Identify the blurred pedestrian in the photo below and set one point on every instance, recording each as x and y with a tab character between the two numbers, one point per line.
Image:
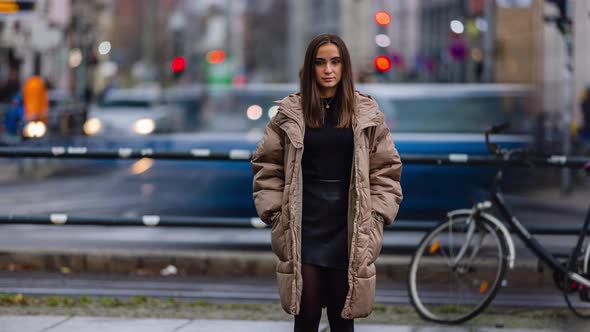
327	206
35	98
14	118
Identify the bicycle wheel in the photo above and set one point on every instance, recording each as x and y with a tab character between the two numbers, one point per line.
576	294
457	270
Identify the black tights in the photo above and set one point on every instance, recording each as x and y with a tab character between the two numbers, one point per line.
325	286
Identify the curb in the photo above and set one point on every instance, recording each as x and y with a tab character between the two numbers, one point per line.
203	262
527	273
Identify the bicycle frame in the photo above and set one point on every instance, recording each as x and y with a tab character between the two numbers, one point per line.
520	230
532	243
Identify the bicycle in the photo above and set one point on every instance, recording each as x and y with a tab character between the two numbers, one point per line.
470	251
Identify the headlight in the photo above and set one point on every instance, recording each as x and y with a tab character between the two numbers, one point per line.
144	126
34	129
92	126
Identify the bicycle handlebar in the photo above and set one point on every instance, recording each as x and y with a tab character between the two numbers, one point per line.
495	148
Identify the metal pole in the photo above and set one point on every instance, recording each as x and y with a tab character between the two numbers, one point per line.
59	219
488	42
458	159
568	109
296	19
80	10
148	36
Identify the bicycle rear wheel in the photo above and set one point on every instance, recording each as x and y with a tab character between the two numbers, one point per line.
576	294
457	270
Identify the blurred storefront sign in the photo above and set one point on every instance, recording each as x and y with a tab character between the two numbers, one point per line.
16	7
220	73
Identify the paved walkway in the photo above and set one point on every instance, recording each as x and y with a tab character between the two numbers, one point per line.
108	324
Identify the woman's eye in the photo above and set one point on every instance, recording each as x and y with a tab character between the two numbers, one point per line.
319	63
335	62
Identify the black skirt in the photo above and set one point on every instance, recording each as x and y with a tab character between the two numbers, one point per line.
324	223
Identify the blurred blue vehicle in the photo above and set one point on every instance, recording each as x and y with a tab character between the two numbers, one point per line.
425	119
444	119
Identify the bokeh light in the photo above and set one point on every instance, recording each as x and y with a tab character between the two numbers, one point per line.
104	48
382	40
254	112
382	63
178	64
216	57
457	27
382	17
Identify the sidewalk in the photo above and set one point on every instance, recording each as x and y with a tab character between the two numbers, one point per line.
108	324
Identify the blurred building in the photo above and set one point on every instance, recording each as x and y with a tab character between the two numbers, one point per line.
519	50
367	39
436	39
32	40
141	42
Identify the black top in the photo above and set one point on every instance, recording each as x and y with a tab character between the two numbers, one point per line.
328	150
326	166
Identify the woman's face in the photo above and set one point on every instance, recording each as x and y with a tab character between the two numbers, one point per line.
328	69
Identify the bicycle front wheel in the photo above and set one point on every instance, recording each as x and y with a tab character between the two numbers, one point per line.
457	270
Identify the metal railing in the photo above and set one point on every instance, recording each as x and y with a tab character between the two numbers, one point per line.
70	152
226	222
461	159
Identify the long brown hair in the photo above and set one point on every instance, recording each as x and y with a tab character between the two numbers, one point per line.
313	109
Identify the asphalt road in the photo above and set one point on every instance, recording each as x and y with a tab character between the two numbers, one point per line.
127	188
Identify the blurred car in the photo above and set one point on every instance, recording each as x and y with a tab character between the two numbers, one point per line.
425	120
136	111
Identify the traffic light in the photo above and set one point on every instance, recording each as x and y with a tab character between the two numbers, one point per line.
178	66
382	63
382	18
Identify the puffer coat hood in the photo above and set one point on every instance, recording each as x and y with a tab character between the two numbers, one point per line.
374	198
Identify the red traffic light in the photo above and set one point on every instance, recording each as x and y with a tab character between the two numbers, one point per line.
382	17
382	63
178	64
216	57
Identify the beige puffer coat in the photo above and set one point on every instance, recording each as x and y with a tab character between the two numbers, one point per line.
374	198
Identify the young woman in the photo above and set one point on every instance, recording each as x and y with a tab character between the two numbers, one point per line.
327	178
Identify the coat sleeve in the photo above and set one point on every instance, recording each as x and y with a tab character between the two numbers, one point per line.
384	176
269	174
